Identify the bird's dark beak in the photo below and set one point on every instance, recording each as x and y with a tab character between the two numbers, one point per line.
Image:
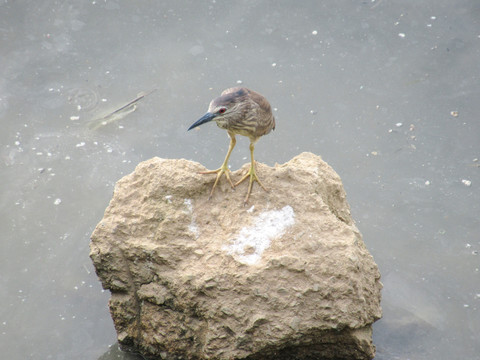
204	119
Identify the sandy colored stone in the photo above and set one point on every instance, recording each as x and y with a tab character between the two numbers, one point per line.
285	277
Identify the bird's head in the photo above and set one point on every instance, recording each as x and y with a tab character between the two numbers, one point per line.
223	108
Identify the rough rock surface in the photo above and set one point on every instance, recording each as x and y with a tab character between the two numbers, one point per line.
285	277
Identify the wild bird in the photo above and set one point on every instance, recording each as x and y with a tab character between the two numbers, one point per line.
240	111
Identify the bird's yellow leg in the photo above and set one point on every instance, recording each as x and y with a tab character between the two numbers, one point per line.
251	174
224	168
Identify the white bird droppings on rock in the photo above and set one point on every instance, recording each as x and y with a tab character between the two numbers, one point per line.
252	241
193	228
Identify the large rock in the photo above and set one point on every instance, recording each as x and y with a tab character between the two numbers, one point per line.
285	277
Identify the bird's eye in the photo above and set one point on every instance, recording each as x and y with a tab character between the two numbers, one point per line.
222	110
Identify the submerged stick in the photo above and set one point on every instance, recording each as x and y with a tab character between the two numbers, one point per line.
119	113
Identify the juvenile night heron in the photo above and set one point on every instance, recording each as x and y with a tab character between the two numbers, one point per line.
240	111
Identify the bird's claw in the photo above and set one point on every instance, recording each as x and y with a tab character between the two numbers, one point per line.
222	170
253	177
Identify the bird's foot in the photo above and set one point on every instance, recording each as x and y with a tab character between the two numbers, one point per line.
253	177
220	171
